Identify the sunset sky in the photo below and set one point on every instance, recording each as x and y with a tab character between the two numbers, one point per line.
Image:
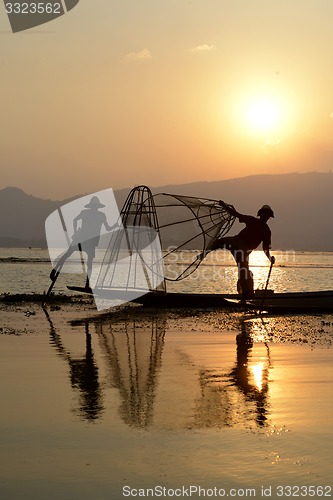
119	93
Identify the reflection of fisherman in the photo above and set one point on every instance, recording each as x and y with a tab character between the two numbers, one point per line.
86	237
240	373
83	374
241	377
256	231
84	377
220	404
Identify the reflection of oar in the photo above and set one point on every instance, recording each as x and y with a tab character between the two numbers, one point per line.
265	290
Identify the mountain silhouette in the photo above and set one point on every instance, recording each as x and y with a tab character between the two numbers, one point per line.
22	218
303	206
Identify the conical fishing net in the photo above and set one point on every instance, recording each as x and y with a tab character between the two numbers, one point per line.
162	237
188	227
133	261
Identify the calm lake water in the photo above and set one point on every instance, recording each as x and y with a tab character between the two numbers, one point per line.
106	406
27	271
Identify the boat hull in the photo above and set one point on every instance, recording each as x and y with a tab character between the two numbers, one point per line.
188	300
162	299
303	302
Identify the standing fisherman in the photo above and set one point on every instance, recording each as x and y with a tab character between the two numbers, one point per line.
86	237
256	231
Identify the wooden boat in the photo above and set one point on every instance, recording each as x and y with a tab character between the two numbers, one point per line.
293	302
287	302
187	300
167	299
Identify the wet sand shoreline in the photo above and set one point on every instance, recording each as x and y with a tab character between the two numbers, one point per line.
315	329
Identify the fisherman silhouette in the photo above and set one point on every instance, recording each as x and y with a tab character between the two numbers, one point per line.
86	237
256	231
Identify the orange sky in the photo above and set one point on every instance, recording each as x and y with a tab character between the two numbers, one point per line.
166	92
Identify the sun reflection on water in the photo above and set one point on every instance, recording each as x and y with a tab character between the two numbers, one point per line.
258	375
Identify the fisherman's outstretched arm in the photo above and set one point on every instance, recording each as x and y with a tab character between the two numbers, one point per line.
231	209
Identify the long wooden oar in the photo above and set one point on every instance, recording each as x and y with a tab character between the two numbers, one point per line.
56	274
266	286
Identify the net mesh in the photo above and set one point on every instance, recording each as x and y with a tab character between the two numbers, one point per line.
133	260
188	227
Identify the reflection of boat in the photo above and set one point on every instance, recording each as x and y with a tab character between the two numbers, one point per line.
305	302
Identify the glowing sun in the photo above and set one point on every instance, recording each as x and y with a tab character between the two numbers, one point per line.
263	115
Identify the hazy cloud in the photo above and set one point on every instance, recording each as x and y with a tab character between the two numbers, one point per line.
141	55
203	48
331	115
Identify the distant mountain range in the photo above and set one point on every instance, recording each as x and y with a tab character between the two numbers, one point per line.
303	206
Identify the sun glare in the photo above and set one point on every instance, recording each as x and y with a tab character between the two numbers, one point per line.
258	375
263	115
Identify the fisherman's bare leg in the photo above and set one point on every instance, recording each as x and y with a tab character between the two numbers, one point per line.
89	269
56	270
245	276
220	243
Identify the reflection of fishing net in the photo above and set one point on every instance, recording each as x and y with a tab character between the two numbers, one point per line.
188	226
133	354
